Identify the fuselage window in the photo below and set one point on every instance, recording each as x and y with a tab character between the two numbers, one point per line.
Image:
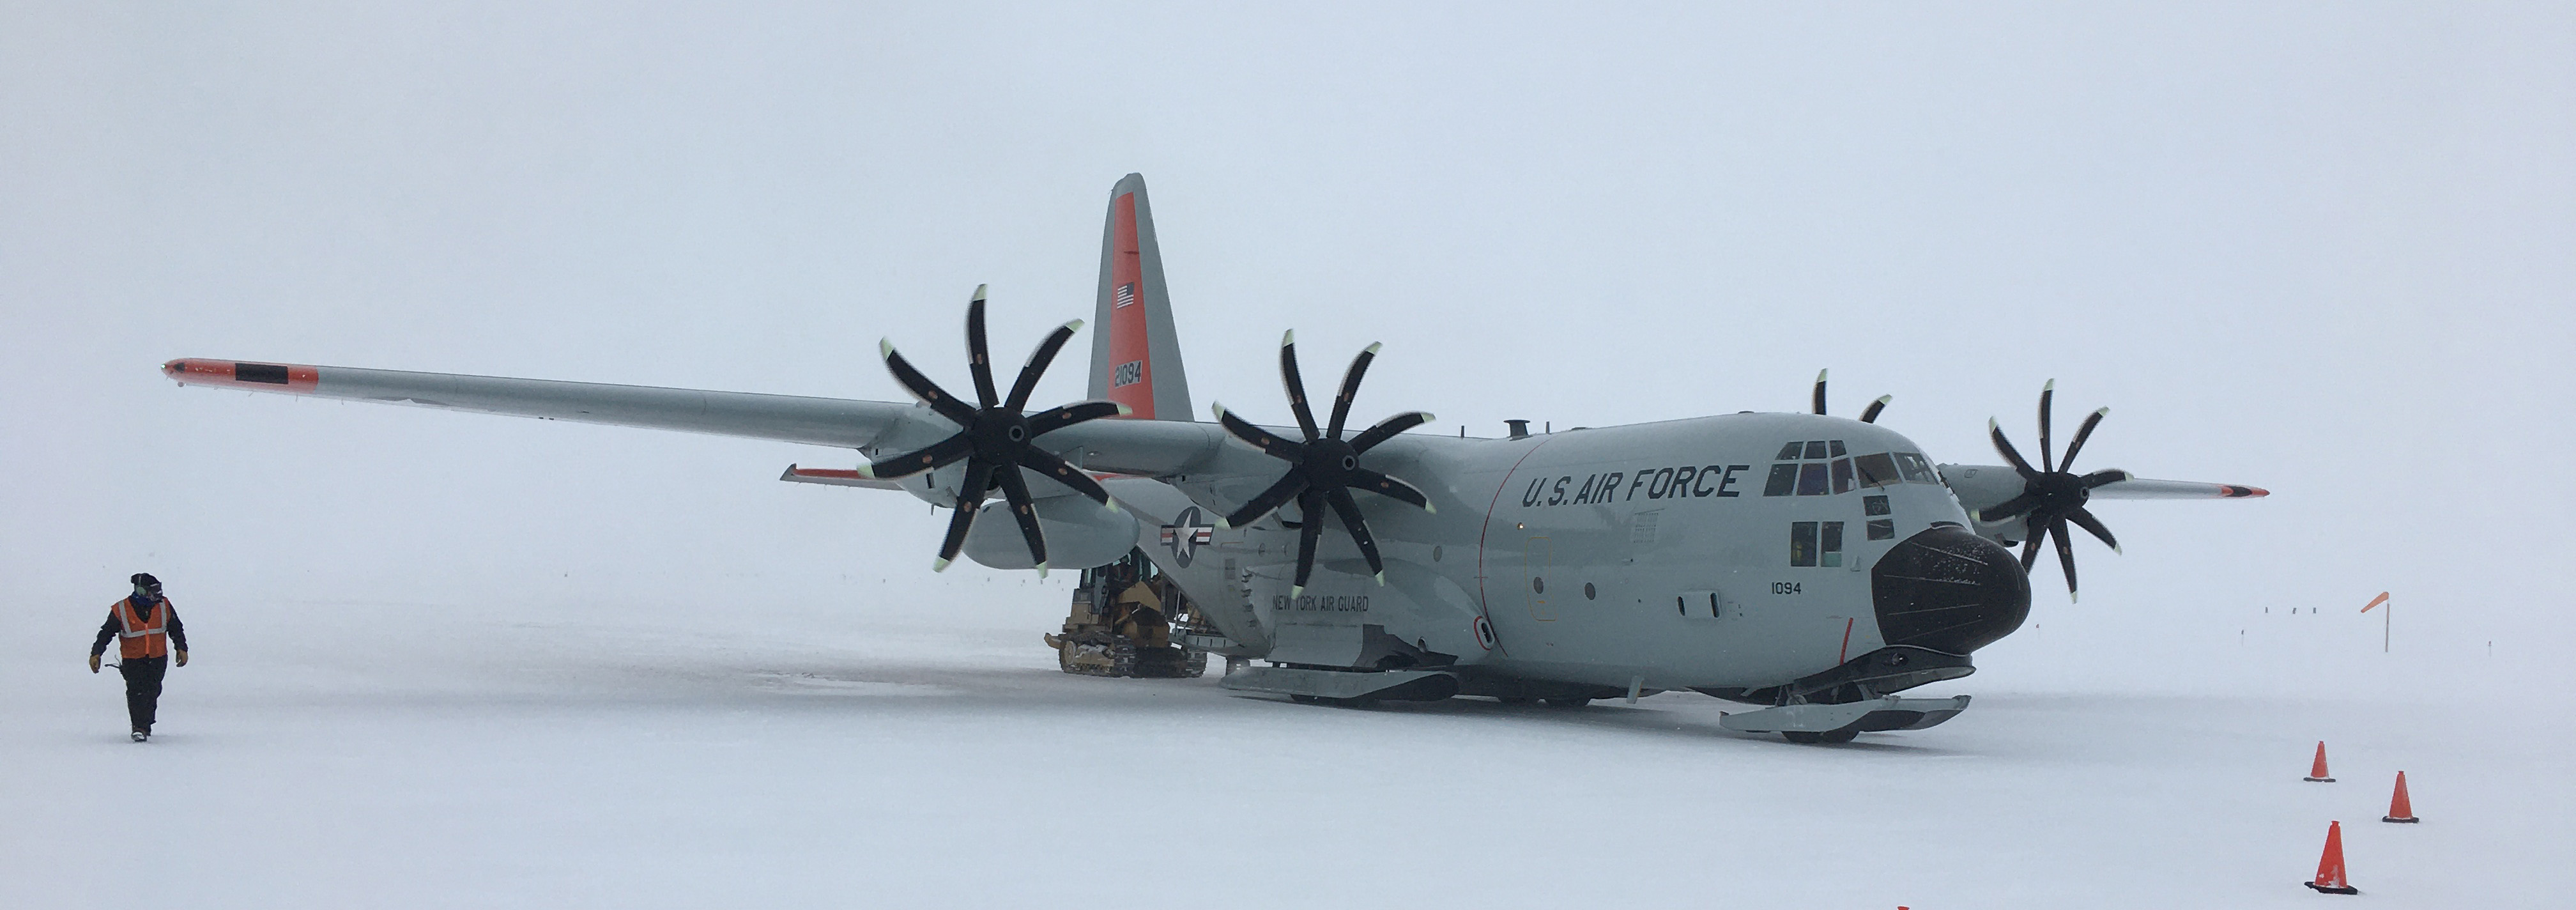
1877	470
1784	478
1873	505
1811	479
1832	543
1842	475
1916	469
1882	529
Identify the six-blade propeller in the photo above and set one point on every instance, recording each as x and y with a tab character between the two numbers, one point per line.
994	437
2053	495
1324	469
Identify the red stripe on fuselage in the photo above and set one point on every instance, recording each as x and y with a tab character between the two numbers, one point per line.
1127	342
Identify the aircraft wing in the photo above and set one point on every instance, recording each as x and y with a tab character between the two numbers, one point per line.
2142	488
1148	448
787	418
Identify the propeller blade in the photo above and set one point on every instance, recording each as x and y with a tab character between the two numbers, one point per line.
1015	491
1871	415
1350	388
1391	488
1269	443
2081	433
1057	418
2030	550
1296	384
979	478
2065	555
980	355
1287	486
1037	365
2085	520
1308	535
2104	477
1063	472
2047	393
1996	432
1357	524
2008	508
922	388
937	454
1820	391
1387	429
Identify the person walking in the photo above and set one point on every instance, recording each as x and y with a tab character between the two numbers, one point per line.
147	631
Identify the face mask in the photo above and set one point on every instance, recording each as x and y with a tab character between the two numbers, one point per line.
146	593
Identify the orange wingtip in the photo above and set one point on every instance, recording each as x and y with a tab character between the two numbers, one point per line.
2233	491
262	377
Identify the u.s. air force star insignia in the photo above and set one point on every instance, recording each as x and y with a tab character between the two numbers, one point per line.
1185	535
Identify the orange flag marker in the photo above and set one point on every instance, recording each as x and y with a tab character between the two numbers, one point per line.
2400	809
2330	875
2317	772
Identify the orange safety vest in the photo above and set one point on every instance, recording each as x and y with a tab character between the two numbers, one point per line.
144	636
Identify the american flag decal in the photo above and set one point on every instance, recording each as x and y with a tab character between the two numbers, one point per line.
1127	294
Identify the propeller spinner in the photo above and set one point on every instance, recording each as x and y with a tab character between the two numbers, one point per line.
1324	469
2052	494
994	437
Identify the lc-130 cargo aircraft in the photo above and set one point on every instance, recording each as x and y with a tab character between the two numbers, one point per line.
1809	564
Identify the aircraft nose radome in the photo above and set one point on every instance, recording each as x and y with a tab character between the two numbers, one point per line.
1948	590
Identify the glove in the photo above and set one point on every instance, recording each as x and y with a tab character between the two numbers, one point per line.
93	663
183	658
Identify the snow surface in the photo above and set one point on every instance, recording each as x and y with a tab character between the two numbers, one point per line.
618	756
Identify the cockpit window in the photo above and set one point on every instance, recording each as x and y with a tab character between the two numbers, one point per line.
1877	470
1784	478
1811	479
1842	475
1816	449
1837	446
1915	468
1790	452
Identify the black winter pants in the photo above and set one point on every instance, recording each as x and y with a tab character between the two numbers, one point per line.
143	688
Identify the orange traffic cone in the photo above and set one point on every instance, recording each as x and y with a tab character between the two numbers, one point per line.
2317	772
2330	875
2400	809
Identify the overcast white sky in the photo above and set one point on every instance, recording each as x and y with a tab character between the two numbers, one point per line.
2321	248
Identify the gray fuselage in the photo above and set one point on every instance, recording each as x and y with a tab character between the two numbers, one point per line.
1708	553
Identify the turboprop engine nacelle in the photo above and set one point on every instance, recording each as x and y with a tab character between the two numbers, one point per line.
1080	534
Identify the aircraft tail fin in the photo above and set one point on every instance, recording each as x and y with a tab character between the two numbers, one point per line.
1135	356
